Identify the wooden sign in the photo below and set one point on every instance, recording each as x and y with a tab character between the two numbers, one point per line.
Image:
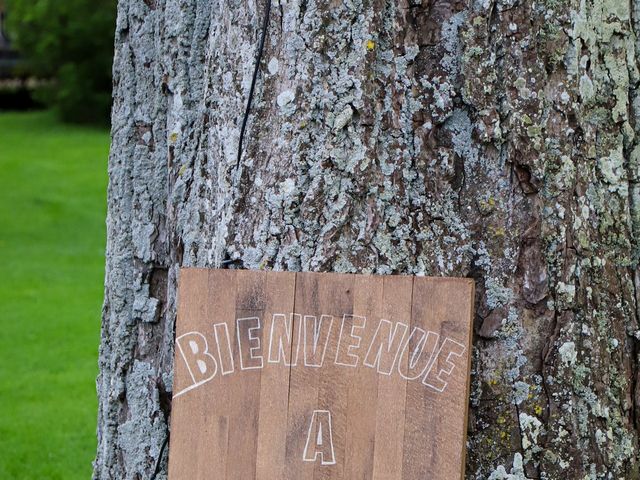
297	376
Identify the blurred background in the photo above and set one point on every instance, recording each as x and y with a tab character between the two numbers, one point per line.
55	93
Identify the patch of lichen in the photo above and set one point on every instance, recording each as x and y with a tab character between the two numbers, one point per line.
563	118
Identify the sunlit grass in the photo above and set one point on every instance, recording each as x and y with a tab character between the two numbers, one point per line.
52	210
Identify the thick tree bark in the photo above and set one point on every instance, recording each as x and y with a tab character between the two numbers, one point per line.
494	139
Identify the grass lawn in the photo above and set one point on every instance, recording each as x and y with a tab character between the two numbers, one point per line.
52	214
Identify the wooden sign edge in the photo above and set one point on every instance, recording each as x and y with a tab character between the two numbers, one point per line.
472	313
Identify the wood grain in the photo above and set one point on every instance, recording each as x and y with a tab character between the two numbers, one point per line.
317	376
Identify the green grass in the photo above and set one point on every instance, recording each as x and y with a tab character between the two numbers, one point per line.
52	210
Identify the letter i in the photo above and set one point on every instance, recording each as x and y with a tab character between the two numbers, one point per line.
225	353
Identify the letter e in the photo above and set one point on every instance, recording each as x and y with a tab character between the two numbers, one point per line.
351	341
433	378
249	343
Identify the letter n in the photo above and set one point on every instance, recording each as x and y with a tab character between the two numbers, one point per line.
194	350
319	439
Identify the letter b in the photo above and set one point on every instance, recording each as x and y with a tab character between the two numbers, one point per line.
194	350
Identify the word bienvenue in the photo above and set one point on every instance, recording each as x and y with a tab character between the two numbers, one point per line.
414	354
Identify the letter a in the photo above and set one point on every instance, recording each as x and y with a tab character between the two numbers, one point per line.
319	439
202	366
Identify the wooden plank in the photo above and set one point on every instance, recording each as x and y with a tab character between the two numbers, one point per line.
335	295
390	408
362	382
320	376
304	380
435	426
274	387
199	295
243	387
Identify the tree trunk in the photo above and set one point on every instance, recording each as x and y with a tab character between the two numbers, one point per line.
494	139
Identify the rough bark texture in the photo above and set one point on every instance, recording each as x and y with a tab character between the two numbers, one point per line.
495	139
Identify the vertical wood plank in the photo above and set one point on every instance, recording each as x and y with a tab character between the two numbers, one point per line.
243	387
274	386
206	295
303	381
363	383
390	408
192	305
335	295
435	425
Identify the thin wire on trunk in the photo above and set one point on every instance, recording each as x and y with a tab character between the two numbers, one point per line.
265	25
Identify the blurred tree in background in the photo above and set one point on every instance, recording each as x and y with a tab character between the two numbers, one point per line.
71	43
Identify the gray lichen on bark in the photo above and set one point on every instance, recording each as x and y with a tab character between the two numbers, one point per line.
494	139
